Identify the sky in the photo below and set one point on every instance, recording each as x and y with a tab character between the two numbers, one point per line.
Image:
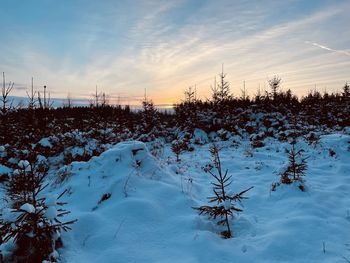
128	46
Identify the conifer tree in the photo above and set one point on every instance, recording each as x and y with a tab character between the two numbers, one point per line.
190	95
33	222
296	168
178	147
5	92
346	91
225	203
189	116
221	92
149	115
275	84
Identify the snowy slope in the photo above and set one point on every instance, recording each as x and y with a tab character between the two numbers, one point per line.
148	217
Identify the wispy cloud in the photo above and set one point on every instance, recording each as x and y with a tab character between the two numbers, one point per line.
166	46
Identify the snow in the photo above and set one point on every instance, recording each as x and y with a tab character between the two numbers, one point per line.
8	215
227	204
41	159
51	200
4	169
24	164
27	208
150	213
45	142
51	213
132	207
200	136
3	152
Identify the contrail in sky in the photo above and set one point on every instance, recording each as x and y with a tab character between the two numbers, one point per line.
328	48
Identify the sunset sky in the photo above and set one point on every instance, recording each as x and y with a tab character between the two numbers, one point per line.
127	46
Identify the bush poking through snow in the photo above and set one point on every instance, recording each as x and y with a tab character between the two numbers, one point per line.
34	222
225	203
295	170
178	147
104	197
312	138
331	152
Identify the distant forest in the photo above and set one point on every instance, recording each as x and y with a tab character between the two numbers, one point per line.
274	112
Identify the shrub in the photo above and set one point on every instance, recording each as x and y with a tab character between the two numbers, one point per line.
331	152
312	138
256	143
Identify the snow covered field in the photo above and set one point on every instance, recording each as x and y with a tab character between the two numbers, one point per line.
134	207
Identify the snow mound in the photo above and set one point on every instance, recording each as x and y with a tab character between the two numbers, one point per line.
200	136
123	198
45	142
123	159
4	169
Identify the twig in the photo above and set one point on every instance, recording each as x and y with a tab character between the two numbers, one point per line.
126	185
347	260
119	227
85	239
182	187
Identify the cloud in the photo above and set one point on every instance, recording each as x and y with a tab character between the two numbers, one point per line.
328	48
166	46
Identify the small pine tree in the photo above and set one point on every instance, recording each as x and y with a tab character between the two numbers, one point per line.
225	203
5	92
346	90
178	147
295	171
175	147
221	92
33	222
275	84
22	181
149	115
190	95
